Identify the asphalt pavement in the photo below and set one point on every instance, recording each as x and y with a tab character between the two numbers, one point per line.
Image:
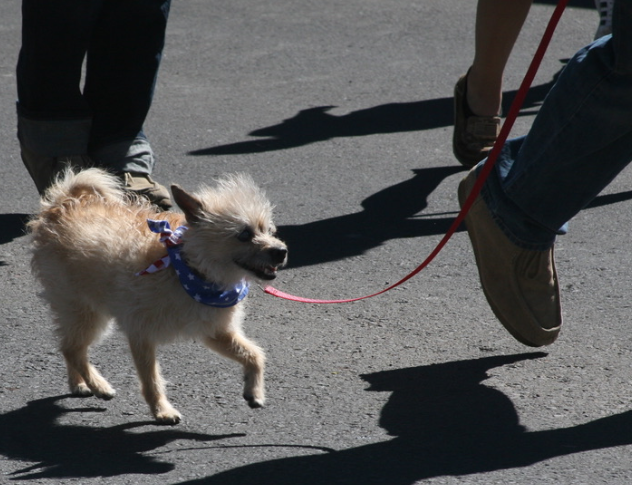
342	111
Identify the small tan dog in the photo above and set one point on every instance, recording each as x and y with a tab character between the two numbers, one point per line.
90	244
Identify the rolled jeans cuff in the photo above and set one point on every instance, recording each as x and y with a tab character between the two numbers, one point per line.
58	138
519	227
125	156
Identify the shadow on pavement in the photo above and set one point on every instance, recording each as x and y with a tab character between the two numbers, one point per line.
391	213
13	226
445	423
608	199
69	451
314	125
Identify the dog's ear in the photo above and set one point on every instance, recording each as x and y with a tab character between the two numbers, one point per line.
190	205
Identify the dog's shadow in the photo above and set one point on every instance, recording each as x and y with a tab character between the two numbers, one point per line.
33	434
445	422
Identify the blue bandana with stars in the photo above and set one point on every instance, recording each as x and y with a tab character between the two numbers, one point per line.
200	290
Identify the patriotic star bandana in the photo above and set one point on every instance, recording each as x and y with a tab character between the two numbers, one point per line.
202	291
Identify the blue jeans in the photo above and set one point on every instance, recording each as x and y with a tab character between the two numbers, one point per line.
579	142
122	43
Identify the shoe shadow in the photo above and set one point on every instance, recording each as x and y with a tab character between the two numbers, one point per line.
445	422
314	125
32	434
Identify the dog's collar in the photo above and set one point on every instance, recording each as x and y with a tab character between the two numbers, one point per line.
200	290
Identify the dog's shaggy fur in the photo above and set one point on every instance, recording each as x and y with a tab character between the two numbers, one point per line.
90	240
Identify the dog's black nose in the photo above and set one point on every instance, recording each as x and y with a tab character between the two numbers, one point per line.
278	255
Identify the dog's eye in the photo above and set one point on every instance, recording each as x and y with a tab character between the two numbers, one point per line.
246	235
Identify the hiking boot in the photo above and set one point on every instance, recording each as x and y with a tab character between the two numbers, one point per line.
142	184
473	136
520	285
44	169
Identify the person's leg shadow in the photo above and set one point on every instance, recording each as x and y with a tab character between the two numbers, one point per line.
317	124
444	422
13	226
392	213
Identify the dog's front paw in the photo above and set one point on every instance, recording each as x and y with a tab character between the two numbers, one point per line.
81	390
169	416
254	402
105	393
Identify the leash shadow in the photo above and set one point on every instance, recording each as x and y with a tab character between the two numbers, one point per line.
444	422
58	451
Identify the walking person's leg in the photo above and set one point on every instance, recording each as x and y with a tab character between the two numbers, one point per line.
53	118
122	68
580	140
478	94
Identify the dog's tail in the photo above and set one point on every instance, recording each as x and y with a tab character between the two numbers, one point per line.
77	188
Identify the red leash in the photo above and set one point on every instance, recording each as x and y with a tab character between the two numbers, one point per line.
485	170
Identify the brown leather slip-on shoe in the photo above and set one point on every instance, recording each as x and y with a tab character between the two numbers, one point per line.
520	285
473	136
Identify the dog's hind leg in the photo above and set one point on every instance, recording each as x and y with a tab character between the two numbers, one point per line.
77	329
152	384
236	346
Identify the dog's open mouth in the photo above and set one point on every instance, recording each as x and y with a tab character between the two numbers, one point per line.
264	272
